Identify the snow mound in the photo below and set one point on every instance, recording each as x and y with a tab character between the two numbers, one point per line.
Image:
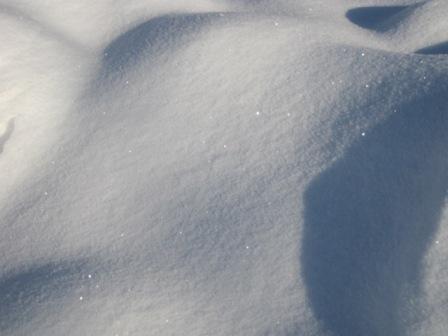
223	168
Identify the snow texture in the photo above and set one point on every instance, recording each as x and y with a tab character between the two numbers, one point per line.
224	167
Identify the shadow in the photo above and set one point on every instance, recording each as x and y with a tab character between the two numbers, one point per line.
22	293
373	17
437	49
369	220
161	34
7	134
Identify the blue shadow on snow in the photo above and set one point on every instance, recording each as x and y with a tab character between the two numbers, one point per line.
369	220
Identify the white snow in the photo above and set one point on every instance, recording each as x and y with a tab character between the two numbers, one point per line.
223	167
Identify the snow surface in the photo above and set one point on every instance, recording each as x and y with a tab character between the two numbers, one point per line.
223	167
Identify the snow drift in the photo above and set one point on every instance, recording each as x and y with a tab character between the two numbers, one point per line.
223	168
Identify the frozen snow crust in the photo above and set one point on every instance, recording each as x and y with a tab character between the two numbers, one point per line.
223	167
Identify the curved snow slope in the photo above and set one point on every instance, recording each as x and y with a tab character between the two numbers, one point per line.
223	168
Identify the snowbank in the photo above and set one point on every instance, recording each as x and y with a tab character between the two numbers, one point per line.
223	168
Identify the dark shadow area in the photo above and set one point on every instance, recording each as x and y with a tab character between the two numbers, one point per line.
7	134
370	218
161	34
373	17
437	49
34	288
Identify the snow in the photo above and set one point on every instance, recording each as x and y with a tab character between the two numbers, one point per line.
223	167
